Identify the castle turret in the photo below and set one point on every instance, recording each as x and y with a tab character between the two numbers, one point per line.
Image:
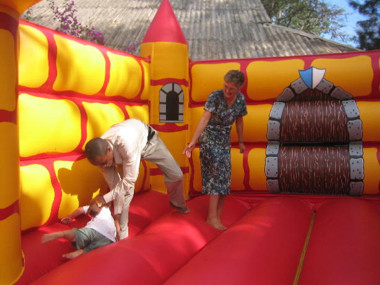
166	48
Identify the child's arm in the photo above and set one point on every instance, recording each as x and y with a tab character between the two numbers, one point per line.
117	226
73	215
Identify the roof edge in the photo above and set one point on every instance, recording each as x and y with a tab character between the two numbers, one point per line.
310	36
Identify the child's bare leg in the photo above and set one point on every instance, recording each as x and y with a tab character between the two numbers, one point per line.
69	235
73	254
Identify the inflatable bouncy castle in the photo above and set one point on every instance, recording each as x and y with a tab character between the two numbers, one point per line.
305	207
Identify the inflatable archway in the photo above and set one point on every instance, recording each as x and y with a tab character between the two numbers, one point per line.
311	129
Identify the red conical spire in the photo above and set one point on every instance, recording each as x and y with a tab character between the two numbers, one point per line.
165	26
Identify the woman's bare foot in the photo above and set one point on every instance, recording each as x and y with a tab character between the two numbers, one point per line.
216	224
73	254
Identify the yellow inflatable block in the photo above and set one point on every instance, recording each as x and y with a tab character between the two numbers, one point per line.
207	78
138	112
157	183
267	79
80	67
170	60
143	181
8	71
372	171
255	124
354	74
175	142
37	193
195	116
237	170
11	261
370	114
33	70
101	117
9	180
145	95
256	163
16	7
125	76
155	105
48	125
197	177
80	182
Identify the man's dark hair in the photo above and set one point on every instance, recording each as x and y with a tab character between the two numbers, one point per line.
235	76
95	147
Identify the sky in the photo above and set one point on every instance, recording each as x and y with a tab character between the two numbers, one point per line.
352	17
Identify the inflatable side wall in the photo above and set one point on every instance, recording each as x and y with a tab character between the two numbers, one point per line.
69	92
11	260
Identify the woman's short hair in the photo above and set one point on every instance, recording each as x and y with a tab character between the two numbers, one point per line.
235	76
95	147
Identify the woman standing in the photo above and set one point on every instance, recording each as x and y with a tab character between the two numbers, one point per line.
222	109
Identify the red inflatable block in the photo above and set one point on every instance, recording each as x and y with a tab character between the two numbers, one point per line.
41	258
151	256
344	246
145	208
264	247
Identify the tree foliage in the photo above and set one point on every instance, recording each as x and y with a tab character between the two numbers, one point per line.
311	16
369	31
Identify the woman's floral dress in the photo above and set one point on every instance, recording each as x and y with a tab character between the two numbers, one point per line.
215	143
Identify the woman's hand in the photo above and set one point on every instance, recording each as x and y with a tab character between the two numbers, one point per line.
242	147
188	150
201	126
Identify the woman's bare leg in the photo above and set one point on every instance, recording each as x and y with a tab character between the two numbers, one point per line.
214	211
221	200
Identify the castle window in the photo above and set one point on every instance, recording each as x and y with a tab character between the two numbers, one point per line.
171	103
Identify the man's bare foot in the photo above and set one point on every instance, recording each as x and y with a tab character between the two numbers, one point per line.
216	224
48	237
74	254
182	210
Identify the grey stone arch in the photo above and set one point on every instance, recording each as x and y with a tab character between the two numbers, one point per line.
171	103
354	145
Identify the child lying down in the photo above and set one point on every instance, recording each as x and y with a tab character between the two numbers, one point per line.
99	231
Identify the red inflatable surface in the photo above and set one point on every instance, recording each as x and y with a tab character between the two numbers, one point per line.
270	240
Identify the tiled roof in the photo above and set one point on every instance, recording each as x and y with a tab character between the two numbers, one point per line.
214	29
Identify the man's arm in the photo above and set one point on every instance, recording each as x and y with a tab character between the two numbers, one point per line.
117	226
113	179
